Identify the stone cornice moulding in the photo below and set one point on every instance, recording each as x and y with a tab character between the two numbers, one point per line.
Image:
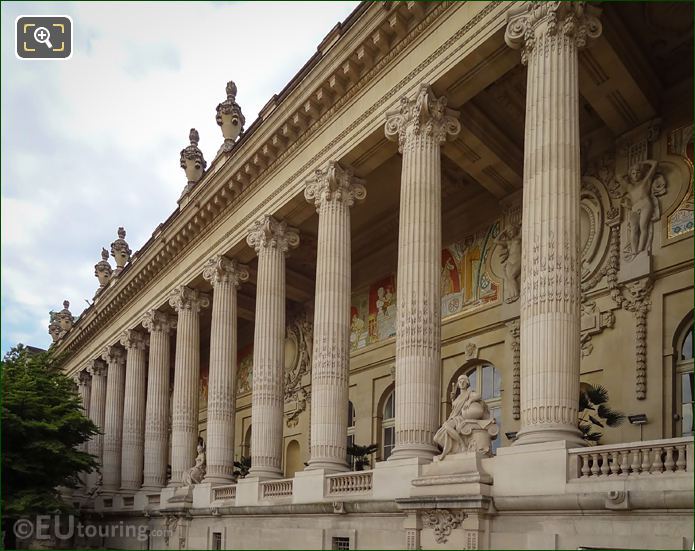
172	235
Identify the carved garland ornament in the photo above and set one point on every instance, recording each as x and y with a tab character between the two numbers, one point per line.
442	521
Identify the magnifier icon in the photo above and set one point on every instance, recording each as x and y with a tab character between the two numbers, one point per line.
42	36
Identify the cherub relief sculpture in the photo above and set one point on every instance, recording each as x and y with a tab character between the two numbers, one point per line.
196	473
509	243
470	427
639	190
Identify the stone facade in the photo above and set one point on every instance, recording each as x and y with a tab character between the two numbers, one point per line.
525	175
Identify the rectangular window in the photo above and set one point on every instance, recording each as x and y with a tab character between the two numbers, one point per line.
389	441
216	540
340	543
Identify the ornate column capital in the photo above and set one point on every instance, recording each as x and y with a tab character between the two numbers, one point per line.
97	368
185	298
113	354
134	340
334	183
154	320
83	377
269	232
533	20
220	269
423	116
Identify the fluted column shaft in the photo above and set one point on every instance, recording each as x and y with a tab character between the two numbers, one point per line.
156	449
333	191
420	125
134	410
184	427
225	276
113	419
84	388
97	411
271	239
550	34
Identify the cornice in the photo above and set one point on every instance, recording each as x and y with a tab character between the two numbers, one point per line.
233	176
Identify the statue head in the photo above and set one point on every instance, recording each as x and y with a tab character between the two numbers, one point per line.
463	382
636	173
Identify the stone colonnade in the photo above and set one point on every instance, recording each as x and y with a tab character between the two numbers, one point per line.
133	450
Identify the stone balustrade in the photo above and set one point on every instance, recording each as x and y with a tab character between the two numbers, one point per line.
654	457
276	488
224	492
354	483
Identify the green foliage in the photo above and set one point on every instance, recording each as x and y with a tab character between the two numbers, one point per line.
43	423
360	454
595	415
242	467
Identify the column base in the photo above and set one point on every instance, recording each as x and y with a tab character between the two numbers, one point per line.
408	452
330	467
218	480
552	433
265	473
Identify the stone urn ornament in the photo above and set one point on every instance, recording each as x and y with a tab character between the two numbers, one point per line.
120	250
64	317
102	269
230	118
192	160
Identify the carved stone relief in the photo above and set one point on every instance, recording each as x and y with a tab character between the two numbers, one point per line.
593	322
298	349
680	221
443	522
515	342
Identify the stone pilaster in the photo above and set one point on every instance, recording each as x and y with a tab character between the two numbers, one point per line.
224	275
420	125
113	419
333	191
184	427
135	343
97	409
271	239
549	35
156	451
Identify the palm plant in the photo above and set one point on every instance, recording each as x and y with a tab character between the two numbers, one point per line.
360	454
241	467
595	414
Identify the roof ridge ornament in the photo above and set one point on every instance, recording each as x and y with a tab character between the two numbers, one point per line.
103	270
230	118
192	161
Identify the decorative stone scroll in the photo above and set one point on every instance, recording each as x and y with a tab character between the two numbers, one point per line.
443	522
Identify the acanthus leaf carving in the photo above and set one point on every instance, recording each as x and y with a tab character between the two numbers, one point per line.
334	184
443	522
270	233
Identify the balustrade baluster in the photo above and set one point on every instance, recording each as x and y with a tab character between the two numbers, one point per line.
594	464
680	462
669	463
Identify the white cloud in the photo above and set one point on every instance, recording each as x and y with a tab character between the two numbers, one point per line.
92	143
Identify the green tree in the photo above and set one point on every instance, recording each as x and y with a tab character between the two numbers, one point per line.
594	413
43	423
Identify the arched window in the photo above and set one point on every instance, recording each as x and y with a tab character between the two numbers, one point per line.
486	380
683	344
388	426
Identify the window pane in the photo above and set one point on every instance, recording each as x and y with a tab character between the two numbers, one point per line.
687	419
389	441
687	388
388	407
473	378
351	415
487	382
687	348
497	383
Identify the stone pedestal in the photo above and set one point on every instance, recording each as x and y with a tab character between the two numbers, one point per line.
156	449
225	275
420	125
271	239
133	410
113	419
333	191
550	35
184	427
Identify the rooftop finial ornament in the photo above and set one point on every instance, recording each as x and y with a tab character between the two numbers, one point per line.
102	269
120	251
230	118
61	322
192	161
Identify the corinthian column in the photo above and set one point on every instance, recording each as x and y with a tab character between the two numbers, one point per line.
550	34
113	421
420	125
271	239
333	191
184	426
157	413
97	409
225	275
84	387
133	410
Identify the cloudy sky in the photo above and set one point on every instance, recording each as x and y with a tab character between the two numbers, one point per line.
93	143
